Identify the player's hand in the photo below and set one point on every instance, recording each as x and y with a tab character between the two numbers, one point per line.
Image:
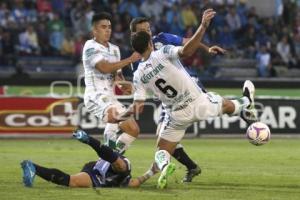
134	182
216	50
207	16
135	57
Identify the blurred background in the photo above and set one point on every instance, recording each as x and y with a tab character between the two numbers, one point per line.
43	39
41	43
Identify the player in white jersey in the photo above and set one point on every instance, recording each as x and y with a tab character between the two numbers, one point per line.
162	74
101	61
143	24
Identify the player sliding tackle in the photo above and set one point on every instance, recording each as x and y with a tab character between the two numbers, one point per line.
110	170
162	74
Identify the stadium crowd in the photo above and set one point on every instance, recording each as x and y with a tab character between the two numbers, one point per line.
60	28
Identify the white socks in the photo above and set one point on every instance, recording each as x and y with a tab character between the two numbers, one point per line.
110	134
123	142
162	158
240	104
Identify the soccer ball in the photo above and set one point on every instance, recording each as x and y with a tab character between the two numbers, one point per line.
258	133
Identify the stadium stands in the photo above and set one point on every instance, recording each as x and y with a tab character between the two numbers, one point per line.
44	38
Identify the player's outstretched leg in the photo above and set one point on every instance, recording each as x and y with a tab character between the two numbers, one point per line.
28	172
81	136
31	169
104	152
249	114
162	159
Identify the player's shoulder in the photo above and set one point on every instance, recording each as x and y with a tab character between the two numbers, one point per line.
89	43
166	49
113	46
90	48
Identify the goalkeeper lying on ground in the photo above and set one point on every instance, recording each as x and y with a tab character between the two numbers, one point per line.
111	170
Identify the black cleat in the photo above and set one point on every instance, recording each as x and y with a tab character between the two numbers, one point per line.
249	115
190	174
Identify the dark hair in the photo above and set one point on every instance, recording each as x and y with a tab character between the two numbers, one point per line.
140	41
101	16
136	21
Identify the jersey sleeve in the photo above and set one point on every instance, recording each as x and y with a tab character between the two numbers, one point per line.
139	89
170	51
167	38
92	55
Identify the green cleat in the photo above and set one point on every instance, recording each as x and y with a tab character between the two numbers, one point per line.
163	179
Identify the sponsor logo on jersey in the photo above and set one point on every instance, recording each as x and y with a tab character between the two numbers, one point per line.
89	52
146	77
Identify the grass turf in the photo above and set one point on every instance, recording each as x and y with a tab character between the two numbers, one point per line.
232	169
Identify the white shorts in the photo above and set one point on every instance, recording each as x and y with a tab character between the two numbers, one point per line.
207	105
99	104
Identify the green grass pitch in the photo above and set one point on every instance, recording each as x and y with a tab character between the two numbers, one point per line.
232	169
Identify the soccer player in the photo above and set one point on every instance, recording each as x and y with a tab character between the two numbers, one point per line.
102	65
162	73
143	24
111	170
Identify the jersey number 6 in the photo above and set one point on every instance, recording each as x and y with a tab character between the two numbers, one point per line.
168	90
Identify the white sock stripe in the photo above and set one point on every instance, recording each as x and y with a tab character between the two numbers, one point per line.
162	158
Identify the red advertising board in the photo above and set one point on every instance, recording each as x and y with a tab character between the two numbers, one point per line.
2	90
37	115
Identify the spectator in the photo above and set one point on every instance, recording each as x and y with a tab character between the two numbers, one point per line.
79	42
43	39
284	50
225	38
28	41
68	46
44	6
248	42
176	27
8	50
130	7
56	31
233	20
188	16
163	25
118	35
242	12
152	8
171	13
263	58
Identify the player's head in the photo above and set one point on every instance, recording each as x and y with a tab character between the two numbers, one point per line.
101	26
140	24
141	42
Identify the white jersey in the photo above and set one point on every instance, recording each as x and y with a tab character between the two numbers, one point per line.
163	75
96	82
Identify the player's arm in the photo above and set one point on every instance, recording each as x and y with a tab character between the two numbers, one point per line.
201	45
136	182
193	44
108	67
135	108
212	50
